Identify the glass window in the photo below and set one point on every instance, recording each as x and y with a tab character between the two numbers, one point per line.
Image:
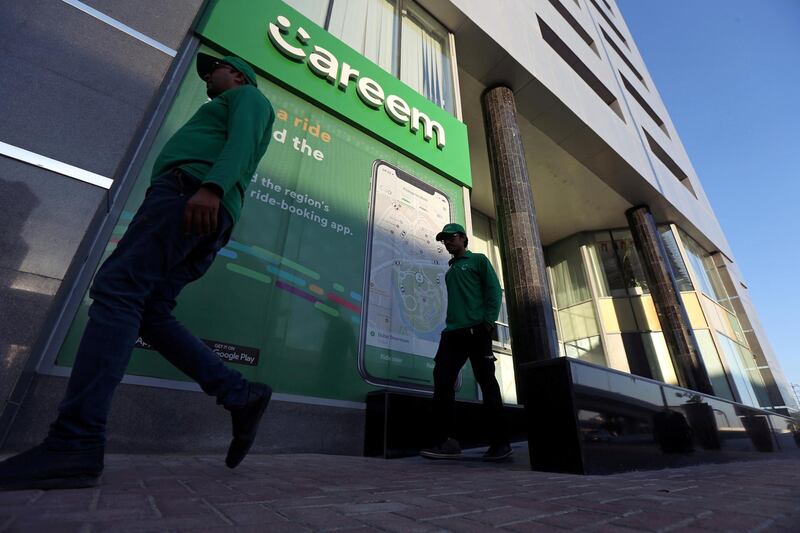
640	361
716	373
605	266
398	35
576	321
425	56
502	331
740	375
632	273
504	372
754	376
705	272
368	26
655	347
316	10
675	260
596	270
615	264
482	241
587	349
567	274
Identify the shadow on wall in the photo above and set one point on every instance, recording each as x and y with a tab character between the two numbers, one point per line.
17	202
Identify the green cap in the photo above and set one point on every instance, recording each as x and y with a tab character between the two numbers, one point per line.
450	229
206	63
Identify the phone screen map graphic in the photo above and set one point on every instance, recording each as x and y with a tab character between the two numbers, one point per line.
407	296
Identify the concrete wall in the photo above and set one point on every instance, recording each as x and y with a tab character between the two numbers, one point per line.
76	90
146	419
80	91
513	26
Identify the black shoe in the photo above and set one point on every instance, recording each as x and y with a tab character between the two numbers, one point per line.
449	449
245	423
42	467
498	452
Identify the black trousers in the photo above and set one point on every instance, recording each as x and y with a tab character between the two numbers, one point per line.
455	347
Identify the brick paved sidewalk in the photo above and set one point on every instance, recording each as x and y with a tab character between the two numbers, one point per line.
308	492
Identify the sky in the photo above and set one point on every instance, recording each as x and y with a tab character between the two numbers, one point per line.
728	72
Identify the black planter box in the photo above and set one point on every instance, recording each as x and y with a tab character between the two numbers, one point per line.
398	424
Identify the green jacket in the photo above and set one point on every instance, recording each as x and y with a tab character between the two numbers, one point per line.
473	292
222	143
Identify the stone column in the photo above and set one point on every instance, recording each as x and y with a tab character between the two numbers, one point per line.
682	344
530	313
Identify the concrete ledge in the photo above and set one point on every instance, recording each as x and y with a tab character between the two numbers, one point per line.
158	420
587	419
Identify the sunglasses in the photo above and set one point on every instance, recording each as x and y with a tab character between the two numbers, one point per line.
219	64
448	238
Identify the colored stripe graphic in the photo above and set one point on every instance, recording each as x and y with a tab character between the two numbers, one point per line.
338	287
252	274
316	289
228	253
254	251
296	291
127	216
119	230
355	319
355	296
341	301
273	258
266	255
300	268
325	309
287	276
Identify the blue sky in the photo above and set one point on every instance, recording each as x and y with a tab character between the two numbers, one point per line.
728	72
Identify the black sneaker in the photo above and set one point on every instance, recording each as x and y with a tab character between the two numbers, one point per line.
245	423
45	468
498	452
449	449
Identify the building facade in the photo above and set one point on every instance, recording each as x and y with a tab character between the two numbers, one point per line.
533	122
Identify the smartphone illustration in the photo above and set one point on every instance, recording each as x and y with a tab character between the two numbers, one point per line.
405	304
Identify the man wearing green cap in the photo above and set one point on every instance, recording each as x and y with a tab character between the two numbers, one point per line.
473	304
194	200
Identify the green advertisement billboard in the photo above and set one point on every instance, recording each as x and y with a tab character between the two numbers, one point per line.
289	48
332	284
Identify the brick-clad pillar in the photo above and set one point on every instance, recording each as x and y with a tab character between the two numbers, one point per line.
530	313
678	334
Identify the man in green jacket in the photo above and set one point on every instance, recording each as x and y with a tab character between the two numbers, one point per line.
194	200
473	303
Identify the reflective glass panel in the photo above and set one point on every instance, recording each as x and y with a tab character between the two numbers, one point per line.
739	373
716	372
567	273
658	357
425	56
705	272
632	273
587	349
609	276
675	260
368	26
316	10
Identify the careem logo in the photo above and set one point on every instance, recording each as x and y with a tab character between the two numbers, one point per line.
325	65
